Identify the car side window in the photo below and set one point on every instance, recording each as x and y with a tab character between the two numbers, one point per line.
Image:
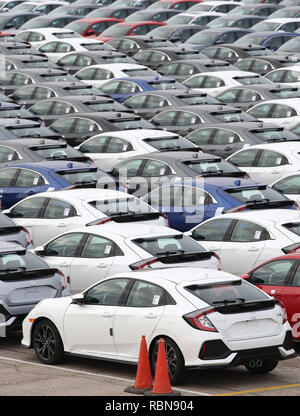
136	101
296	278
283	111
7	154
262	110
95	145
145	295
247	96
223	136
130	168
274	273
245	231
29	208
102	74
24	93
111	87
198	81
49	47
42	108
154	168
29	179
64	246
289	185
42	93
61	108
195	197
63	126
155	101
186	119
164	196
7	177
59	209
85	126
269	158
106	293
117	145
245	158
166	118
98	247
214	230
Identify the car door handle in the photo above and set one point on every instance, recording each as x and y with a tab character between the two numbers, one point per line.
106	314
64	265
150	315
101	265
62	224
253	249
275	171
212	248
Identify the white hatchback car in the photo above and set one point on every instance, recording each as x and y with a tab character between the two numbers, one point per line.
108	149
55	49
207	318
88	254
36	37
267	163
213	83
284	112
48	214
289	186
97	75
246	239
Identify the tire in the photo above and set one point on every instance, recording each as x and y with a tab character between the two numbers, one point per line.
174	359
261	366
47	342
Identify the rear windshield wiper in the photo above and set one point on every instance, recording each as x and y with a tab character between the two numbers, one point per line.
230	300
12	270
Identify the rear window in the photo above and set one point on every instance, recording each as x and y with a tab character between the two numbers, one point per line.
38	131
195	100
258	193
166	143
228	292
294	227
26	261
57	77
121	206
286	93
169	244
131	124
139	72
233	116
105	106
210	166
56	152
273	134
84	176
165	85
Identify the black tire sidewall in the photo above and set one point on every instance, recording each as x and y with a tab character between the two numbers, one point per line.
59	350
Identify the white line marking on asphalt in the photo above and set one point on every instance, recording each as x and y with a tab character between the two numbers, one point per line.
87	373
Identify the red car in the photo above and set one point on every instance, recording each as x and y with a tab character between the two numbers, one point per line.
174	4
92	26
280	278
129	29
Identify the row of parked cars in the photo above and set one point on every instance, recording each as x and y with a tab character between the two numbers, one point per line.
152	181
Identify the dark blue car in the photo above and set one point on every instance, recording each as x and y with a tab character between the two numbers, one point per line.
21	180
122	88
189	202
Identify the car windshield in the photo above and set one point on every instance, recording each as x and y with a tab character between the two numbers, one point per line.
294	227
292	45
122	206
4	20
139	72
105	106
15	112
141	16
83	176
163	31
131	124
224	292
57	77
222	22
173	142
35	23
179	20
265	26
233	116
258	193
78	27
275	133
116	30
166	85
38	131
27	261
56	152
168	243
241	10
201	38
250	40
210	167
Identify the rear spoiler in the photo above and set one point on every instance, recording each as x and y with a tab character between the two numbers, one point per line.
127	217
172	258
293	248
20	273
260	205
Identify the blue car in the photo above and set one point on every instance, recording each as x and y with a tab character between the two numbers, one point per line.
270	40
21	180
190	201
122	88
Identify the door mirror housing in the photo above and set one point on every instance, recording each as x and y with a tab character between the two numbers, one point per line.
39	251
78	299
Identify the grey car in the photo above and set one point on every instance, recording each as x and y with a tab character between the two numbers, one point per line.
11	232
25	280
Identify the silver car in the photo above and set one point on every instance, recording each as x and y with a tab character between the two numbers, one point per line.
12	232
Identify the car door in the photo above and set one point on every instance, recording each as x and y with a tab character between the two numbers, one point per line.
94	262
248	239
27	182
129	174
154	173
212	234
27	213
273	276
143	310
290	187
61	251
270	167
246	160
290	297
89	326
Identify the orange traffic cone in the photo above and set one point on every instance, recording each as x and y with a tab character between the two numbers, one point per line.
143	381
162	385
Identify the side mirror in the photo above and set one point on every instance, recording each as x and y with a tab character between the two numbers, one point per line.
90	33
78	299
6	212
39	251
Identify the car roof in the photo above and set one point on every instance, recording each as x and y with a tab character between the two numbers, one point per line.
10	247
265	216
217	182
85	194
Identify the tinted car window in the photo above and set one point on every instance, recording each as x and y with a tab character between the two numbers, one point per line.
272	273
212	230
245	231
30	208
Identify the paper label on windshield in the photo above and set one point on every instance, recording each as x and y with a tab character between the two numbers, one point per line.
155	300
257	235
278	160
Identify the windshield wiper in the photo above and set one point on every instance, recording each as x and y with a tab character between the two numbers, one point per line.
167	253
229	300
12	270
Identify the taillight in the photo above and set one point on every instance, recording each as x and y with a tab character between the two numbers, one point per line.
63	279
166	218
200	320
90	161
296	205
28	237
219	260
284	314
